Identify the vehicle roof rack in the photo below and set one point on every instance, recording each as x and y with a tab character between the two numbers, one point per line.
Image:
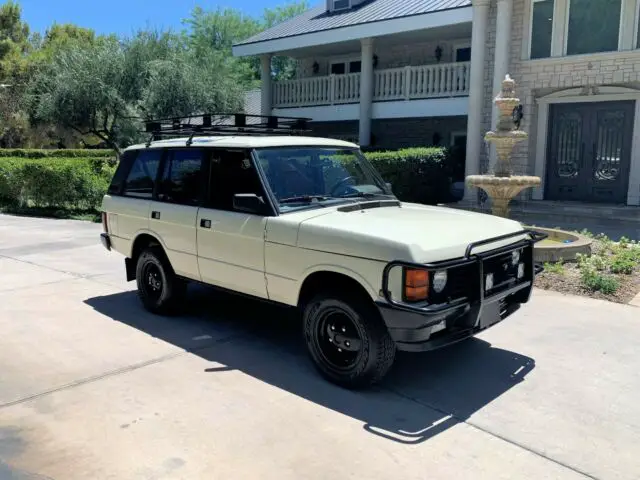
208	124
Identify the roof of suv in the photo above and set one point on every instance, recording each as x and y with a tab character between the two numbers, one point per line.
250	141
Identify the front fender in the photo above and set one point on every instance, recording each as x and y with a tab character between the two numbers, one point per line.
366	284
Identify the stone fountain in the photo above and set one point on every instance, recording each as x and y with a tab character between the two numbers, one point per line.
503	186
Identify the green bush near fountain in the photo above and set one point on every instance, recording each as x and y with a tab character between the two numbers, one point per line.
560	246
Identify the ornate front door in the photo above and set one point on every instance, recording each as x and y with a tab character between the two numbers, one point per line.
590	151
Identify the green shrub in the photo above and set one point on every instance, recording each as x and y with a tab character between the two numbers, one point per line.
623	265
419	175
61	153
598	282
554	267
77	183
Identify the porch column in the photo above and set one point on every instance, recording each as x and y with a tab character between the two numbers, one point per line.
366	91
266	87
476	91
501	62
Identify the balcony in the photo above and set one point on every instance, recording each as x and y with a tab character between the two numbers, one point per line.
408	83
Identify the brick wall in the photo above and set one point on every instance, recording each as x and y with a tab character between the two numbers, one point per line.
396	133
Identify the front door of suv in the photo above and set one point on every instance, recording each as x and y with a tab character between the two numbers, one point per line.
174	212
231	243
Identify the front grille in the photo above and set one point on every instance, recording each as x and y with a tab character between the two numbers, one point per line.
505	274
464	281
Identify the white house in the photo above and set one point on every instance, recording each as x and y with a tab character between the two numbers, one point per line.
383	72
392	73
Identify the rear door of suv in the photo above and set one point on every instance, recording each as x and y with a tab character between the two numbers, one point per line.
129	196
173	213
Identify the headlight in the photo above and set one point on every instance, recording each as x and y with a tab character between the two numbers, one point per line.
515	257
439	280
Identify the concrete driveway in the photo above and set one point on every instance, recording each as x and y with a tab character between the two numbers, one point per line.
93	387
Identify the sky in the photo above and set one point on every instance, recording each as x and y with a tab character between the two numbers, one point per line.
126	16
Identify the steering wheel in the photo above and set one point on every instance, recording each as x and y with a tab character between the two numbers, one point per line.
332	191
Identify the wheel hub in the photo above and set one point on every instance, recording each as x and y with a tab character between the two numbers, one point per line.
338	338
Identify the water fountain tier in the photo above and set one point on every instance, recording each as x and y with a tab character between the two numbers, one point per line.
502	186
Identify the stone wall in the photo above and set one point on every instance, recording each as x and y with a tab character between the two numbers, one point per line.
396	133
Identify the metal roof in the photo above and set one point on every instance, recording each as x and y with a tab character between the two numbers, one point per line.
318	19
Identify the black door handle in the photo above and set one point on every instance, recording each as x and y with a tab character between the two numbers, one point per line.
155	215
204	223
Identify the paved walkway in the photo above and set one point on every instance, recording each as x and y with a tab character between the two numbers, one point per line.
92	387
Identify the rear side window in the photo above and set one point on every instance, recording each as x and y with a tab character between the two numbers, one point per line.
117	182
182	177
141	178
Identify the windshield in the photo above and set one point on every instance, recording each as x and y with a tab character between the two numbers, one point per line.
317	176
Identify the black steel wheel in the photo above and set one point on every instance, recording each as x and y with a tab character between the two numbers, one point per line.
158	287
347	340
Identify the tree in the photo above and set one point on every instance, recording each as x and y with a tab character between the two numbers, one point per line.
14	42
107	88
283	68
221	28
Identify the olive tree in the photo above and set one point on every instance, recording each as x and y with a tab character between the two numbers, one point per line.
107	88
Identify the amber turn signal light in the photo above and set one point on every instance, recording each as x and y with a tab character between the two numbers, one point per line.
416	284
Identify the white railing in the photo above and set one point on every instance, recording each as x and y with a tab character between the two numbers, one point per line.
407	83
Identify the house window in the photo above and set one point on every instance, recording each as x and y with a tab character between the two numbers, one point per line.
462	53
349	66
341	4
593	26
541	28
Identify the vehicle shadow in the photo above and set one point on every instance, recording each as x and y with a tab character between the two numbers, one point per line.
424	394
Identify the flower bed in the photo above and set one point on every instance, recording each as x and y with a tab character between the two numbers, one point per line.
612	272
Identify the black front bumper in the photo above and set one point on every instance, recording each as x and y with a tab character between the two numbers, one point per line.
427	327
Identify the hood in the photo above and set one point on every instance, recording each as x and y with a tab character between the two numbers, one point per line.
409	232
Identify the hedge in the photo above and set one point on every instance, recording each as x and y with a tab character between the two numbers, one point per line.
73	183
418	175
62	153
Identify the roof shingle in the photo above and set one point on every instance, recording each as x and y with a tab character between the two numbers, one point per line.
318	19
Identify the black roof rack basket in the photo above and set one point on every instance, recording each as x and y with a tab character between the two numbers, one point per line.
208	124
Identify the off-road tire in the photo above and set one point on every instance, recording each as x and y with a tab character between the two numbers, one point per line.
172	290
377	351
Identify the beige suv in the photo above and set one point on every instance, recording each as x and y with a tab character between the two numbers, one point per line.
308	222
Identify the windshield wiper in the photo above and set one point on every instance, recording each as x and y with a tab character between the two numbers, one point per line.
304	198
364	195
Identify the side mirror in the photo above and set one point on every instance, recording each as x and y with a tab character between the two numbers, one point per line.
389	187
249	203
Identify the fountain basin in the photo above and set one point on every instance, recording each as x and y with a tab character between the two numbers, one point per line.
560	245
502	190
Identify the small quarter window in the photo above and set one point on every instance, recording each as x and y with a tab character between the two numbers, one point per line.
119	177
141	179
